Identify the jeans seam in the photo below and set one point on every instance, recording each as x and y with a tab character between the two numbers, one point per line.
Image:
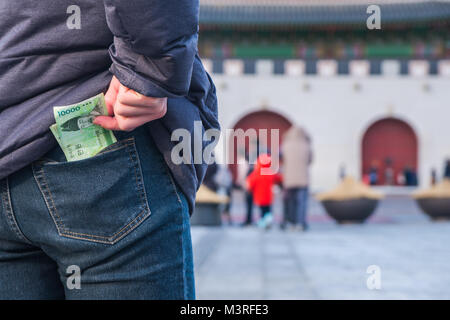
185	286
180	204
173	186
138	175
7	205
39	176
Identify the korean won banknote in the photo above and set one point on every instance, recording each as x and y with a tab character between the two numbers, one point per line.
75	131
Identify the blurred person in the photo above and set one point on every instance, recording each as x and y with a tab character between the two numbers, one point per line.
122	216
433	174
401	180
407	174
260	183
388	172
297	158
410	176
218	179
342	172
373	174
224	181
244	169
415	179
447	169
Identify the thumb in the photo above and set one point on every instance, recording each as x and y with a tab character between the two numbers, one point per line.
109	123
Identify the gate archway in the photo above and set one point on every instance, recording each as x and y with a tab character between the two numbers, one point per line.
390	146
257	120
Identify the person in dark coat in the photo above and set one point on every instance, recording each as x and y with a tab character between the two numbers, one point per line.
410	176
447	169
92	217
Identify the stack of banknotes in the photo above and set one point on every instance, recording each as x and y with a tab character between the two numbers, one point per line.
75	132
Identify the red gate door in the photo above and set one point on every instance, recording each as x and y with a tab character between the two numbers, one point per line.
258	120
389	145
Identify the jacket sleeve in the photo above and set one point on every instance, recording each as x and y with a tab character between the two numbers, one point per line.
155	42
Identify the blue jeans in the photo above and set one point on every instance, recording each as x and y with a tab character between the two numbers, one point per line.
114	226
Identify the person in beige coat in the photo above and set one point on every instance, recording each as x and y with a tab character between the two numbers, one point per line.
297	157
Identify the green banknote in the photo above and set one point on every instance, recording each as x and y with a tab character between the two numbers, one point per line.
75	132
54	130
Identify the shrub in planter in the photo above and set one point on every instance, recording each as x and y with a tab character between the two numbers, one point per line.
435	202
350	201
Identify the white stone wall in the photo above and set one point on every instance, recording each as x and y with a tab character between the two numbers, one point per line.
336	111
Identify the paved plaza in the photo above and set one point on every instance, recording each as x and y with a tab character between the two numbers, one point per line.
328	262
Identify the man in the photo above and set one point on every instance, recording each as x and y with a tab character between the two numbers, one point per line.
114	226
297	158
244	169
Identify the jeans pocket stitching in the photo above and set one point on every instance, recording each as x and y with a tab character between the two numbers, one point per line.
118	145
115	237
41	181
39	175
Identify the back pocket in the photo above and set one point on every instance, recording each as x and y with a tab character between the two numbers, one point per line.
99	199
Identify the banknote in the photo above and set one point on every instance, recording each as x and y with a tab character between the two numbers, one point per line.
75	131
54	130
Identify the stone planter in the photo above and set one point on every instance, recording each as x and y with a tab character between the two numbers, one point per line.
350	210
208	206
350	202
435	208
435	201
206	214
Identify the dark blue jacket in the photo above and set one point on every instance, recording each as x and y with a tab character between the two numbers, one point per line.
149	45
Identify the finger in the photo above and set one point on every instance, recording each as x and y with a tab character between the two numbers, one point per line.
109	123
111	95
133	98
133	111
129	124
118	122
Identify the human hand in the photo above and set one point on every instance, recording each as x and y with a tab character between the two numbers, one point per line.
129	109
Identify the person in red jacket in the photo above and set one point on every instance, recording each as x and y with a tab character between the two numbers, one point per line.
260	183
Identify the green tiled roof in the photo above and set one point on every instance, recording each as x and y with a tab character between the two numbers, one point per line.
318	12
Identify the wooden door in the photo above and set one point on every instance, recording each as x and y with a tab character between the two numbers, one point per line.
389	143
